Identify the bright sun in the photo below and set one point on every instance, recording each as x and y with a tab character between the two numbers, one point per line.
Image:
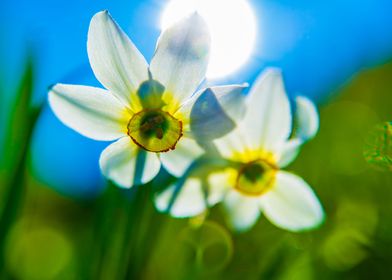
232	25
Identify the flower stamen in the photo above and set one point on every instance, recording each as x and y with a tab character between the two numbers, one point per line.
153	124
155	130
256	177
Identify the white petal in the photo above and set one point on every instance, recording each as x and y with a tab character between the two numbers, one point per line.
219	184
189	201
214	111
306	118
115	60
292	204
289	152
181	58
123	162
233	144
243	211
177	161
92	112
150	168
307	124
267	122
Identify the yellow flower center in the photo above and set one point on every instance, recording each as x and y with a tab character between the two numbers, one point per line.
155	130
256	178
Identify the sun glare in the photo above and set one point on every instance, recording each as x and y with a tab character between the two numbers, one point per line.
232	25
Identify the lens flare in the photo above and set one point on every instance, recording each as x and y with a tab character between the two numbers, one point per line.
232	25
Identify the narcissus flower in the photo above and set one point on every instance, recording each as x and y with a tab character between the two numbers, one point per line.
146	108
249	180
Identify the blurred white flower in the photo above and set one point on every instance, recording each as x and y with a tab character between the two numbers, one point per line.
146	108
252	181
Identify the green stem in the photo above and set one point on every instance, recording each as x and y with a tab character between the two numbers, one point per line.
139	234
136	212
106	209
120	216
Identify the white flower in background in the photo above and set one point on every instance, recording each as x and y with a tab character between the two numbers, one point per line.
251	180
145	108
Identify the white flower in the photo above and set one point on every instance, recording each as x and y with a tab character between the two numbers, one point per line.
251	180
147	109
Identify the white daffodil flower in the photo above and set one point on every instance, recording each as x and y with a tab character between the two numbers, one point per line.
146	108
251	180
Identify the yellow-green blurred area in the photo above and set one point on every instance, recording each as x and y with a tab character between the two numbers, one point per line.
120	235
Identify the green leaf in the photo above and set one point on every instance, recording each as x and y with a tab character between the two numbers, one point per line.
20	128
19	121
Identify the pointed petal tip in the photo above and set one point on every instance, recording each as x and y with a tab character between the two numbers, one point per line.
50	87
197	16
196	20
58	88
96	20
100	14
272	73
122	186
273	70
226	88
245	85
55	89
308	117
239	228
103	13
319	221
305	99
